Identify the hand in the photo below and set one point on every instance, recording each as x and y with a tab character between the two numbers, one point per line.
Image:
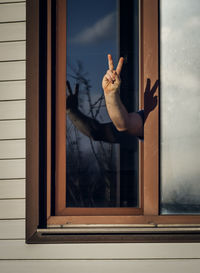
111	81
150	100
72	99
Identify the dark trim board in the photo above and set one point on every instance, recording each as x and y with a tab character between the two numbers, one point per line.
49	238
32	117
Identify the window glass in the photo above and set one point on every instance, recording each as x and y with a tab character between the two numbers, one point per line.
180	107
102	164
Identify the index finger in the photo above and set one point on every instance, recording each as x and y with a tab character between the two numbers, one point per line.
119	66
110	62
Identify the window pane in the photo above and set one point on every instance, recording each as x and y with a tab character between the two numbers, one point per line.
102	164
180	107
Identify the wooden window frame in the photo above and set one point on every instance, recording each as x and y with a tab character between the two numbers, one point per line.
76	214
46	70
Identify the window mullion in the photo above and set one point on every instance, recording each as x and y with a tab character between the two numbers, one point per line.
149	78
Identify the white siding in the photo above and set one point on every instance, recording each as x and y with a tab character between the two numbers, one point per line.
13	90
12	149
99	266
12	12
12	110
12	31
12	129
12	1
15	255
10	71
17	249
12	169
12	229
14	188
12	51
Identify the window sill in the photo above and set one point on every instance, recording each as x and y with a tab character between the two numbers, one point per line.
149	233
134	228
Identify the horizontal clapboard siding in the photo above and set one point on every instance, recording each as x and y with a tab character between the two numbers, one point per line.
12	51
12	107
100	266
12	169
12	110
14	188
12	229
11	1
13	12
19	250
12	209
12	129
12	149
12	70
12	31
12	90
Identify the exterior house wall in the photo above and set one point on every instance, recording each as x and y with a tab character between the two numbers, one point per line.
17	256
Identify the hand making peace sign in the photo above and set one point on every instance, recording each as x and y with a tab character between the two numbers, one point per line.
111	80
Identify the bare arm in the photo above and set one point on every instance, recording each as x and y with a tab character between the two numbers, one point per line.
123	121
88	126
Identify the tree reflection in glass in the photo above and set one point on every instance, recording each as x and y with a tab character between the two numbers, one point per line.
95	175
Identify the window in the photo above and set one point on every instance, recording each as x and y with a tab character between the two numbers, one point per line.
106	173
179	144
52	212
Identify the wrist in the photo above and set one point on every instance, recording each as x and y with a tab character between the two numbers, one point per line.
112	93
70	110
111	96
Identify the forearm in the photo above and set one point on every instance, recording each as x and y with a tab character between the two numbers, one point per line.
92	128
84	124
117	111
123	121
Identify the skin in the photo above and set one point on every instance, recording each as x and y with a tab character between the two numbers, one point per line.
90	127
123	121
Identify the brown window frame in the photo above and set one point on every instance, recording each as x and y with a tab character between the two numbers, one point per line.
46	70
77	215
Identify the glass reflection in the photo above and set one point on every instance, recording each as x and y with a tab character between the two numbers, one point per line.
180	107
102	164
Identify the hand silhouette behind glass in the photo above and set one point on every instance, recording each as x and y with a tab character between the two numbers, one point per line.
72	99
150	100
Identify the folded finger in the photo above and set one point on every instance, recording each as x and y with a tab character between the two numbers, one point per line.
117	77
111	74
108	77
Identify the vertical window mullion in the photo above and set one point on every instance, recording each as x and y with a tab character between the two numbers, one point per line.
49	100
150	75
60	111
42	112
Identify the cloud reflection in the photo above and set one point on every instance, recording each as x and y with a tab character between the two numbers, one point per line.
103	29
